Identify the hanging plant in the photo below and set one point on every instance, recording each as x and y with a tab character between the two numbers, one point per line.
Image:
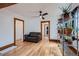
66	12
66	15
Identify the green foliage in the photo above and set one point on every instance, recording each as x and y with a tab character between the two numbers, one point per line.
69	38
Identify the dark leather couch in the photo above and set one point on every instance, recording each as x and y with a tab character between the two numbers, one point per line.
33	37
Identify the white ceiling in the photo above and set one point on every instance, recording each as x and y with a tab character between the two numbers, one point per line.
32	9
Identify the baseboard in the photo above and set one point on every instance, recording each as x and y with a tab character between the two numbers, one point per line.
55	40
73	49
4	47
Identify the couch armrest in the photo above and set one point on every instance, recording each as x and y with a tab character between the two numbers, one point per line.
25	36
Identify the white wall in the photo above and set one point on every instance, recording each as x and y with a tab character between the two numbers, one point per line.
32	25
7	26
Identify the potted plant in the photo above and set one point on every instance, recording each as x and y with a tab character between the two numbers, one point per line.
68	39
66	12
60	29
68	29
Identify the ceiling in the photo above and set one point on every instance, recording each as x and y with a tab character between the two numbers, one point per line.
32	9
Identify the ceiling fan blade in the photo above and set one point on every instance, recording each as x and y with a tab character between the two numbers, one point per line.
44	14
43	18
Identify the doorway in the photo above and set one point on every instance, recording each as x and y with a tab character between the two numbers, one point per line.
18	30
45	29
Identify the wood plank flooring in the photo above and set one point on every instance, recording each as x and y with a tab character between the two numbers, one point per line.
42	48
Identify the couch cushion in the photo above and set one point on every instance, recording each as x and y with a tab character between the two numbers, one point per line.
34	33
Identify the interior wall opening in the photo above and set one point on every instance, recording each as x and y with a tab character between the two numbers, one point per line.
45	30
18	30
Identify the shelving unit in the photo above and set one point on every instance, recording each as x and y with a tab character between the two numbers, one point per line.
68	31
76	18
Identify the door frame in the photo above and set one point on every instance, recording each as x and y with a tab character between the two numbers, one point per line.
48	26
15	29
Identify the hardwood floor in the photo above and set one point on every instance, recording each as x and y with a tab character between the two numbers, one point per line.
42	48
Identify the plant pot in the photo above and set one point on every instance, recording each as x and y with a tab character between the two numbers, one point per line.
69	42
60	20
66	16
67	31
60	31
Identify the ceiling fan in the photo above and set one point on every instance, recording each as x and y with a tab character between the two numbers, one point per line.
42	14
